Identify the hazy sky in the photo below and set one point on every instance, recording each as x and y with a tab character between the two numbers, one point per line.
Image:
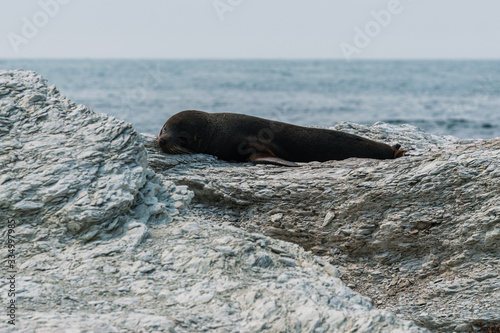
250	29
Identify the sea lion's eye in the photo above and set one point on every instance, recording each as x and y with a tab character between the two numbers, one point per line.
184	139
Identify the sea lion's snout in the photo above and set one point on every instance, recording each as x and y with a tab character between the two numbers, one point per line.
165	144
162	143
172	144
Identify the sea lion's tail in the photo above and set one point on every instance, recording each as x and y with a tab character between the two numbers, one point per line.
398	152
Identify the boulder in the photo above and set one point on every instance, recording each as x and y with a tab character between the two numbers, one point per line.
420	235
103	243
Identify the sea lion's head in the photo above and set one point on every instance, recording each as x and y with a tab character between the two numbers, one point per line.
183	133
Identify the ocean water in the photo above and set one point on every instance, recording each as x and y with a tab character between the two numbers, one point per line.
460	98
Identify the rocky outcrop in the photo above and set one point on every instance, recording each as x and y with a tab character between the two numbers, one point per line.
104	244
71	174
420	235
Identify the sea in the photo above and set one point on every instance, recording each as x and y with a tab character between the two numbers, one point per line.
444	97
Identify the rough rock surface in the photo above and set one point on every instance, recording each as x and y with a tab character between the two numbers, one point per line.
104	244
69	173
420	235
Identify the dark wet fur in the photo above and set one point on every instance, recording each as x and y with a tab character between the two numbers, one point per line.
242	138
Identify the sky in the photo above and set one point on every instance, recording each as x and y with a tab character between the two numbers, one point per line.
250	29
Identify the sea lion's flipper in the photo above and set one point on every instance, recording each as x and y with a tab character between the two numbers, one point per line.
398	152
274	160
267	158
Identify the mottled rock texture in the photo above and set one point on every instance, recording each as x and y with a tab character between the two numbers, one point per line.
105	244
420	235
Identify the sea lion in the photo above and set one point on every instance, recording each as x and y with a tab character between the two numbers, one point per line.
241	138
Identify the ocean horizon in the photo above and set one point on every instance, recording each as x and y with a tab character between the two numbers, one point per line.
444	97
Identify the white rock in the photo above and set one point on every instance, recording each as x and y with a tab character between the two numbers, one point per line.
80	183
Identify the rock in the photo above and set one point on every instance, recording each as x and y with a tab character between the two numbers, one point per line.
80	174
328	218
431	219
108	245
287	262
